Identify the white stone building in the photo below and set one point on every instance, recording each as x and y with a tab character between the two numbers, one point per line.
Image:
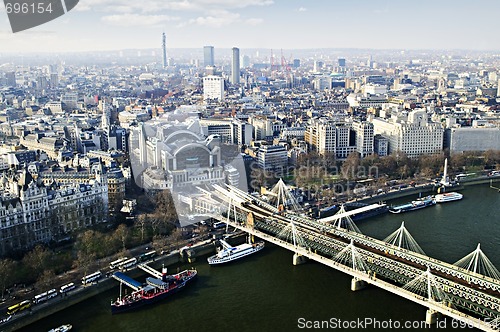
213	88
341	137
32	213
414	135
272	157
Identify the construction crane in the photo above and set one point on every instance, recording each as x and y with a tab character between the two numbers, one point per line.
272	60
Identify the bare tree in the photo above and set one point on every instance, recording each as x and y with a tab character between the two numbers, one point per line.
492	158
6	271
159	242
46	280
350	166
142	220
87	250
37	260
122	234
175	238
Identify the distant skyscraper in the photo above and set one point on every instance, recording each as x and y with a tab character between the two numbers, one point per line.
54	80
164	48
246	61
208	56
369	62
296	63
317	66
498	89
235	66
11	78
341	62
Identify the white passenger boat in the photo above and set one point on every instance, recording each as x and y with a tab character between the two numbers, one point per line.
448	197
229	253
62	328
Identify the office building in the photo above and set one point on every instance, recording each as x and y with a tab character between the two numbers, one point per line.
413	134
230	131
54	80
235	66
70	100
271	157
380	145
246	61
340	137
208	56
266	128
11	78
213	88
322	82
364	137
317	66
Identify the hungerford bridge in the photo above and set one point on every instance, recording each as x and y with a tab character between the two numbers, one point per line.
468	291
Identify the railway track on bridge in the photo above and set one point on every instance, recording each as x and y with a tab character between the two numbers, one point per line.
476	294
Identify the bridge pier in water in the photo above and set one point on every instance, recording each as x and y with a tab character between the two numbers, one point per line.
431	316
299	259
357	284
399	253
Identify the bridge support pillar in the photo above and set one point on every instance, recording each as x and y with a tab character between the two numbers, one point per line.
357	284
431	316
299	259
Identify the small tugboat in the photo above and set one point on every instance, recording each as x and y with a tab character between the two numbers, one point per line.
414	205
229	253
156	289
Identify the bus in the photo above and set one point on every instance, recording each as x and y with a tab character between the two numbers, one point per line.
115	264
66	288
45	296
18	307
91	277
128	263
219	224
146	256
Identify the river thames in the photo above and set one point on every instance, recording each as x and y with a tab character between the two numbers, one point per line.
265	292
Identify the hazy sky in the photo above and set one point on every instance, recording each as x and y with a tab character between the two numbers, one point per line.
287	24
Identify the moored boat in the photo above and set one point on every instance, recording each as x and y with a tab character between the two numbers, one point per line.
229	253
154	290
62	328
413	205
448	197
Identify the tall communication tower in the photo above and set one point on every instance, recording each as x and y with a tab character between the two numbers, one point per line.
164	48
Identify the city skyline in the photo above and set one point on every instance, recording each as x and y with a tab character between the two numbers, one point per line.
115	24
